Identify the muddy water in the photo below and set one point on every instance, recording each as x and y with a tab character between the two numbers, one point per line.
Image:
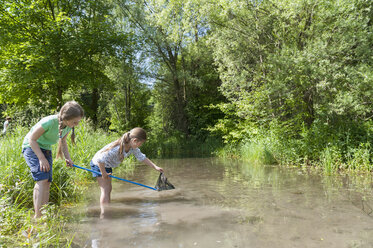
232	204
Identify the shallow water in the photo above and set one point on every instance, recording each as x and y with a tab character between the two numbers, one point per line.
231	204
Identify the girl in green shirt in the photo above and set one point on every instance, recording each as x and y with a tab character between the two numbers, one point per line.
37	148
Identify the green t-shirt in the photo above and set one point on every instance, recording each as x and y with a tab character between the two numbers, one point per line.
50	136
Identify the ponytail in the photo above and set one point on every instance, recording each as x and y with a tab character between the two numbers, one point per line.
136	132
122	141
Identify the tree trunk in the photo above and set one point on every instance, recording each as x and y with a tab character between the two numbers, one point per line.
94	105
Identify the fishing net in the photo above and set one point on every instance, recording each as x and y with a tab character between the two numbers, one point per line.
163	183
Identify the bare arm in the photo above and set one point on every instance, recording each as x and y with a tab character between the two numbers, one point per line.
65	151
104	174
35	135
151	164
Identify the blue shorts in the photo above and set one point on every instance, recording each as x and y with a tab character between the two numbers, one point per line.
33	162
96	168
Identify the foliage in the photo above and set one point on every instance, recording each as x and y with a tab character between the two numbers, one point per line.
179	62
278	80
175	145
127	106
299	69
53	49
346	148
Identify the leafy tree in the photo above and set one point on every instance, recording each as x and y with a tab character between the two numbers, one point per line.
127	104
179	61
49	47
292	63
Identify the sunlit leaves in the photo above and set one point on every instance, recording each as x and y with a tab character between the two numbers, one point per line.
294	61
49	47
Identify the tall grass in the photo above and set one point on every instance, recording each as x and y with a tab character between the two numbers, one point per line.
17	227
322	147
257	152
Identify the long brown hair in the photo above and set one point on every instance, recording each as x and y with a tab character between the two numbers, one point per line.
69	110
135	133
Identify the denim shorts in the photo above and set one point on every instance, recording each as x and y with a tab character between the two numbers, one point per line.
33	162
96	168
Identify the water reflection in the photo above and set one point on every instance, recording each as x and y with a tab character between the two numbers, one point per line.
230	204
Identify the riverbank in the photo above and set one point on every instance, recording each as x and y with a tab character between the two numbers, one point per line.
332	150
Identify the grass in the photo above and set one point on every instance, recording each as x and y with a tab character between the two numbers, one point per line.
334	157
257	152
17	227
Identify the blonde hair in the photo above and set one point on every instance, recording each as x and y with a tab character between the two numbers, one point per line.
69	110
135	133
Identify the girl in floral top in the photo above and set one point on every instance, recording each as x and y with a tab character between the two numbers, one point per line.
112	156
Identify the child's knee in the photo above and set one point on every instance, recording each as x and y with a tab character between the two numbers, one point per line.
44	182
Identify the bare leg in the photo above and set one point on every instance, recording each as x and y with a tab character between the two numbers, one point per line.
41	195
46	193
105	186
